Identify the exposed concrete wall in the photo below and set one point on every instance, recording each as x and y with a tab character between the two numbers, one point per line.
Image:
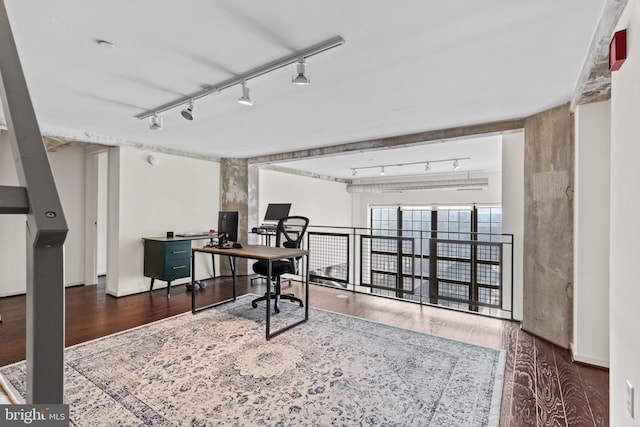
548	233
253	203
234	196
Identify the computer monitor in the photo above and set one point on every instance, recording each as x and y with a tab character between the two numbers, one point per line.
277	211
228	225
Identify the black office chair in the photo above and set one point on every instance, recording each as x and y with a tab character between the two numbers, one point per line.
289	234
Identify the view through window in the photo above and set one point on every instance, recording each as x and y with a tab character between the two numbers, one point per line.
465	272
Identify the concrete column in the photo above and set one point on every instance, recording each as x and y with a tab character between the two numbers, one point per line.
234	196
548	225
253	204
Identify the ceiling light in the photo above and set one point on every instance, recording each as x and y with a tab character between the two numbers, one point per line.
245	99
382	170
456	165
427	167
155	122
300	77
187	113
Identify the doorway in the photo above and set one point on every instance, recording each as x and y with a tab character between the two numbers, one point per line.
96	217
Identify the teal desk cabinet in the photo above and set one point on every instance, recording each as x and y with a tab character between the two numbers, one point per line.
167	259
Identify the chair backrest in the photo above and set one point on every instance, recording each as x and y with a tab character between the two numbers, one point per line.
290	231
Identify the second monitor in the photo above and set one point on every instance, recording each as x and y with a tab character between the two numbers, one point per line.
277	211
228	226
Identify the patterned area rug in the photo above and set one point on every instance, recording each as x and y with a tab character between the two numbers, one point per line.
215	368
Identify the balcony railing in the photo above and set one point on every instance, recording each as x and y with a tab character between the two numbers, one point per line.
473	272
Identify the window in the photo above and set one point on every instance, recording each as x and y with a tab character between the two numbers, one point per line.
464	273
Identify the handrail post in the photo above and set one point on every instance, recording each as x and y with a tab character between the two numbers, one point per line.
46	229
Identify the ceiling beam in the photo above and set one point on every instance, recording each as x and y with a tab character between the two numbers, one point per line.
594	82
305	173
401	141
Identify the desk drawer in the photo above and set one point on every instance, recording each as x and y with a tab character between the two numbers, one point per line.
174	250
167	260
176	268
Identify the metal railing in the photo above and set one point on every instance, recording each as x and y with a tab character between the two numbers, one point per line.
472	273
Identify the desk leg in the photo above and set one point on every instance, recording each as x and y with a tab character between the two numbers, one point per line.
193	274
307	275
213	263
232	261
169	289
151	288
195	310
268	299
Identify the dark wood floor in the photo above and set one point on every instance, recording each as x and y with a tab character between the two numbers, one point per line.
542	386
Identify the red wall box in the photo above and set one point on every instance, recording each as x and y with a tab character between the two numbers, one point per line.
617	50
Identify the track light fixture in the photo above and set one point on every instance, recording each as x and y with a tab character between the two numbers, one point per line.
427	165
301	77
245	99
155	122
187	113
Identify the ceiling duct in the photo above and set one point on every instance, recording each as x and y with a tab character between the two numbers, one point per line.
444	184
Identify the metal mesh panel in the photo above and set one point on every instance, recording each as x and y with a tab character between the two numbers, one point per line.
488	252
488	274
365	261
453	290
454	250
379	261
489	296
454	270
330	258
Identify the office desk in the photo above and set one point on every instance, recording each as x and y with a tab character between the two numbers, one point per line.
167	258
256	252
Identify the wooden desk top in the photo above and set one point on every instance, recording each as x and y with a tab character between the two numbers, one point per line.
255	252
183	238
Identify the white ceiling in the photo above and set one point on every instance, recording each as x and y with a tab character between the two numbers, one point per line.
407	66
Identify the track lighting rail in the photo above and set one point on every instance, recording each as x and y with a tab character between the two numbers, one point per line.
455	161
256	72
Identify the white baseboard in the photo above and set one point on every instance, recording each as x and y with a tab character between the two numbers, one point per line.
595	361
12	293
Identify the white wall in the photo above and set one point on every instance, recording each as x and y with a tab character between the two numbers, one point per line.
101	214
13	240
624	286
178	194
591	233
513	209
68	171
323	202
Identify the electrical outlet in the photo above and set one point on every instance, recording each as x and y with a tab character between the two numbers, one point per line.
630	398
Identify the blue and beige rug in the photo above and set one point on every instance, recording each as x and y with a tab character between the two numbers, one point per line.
215	368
